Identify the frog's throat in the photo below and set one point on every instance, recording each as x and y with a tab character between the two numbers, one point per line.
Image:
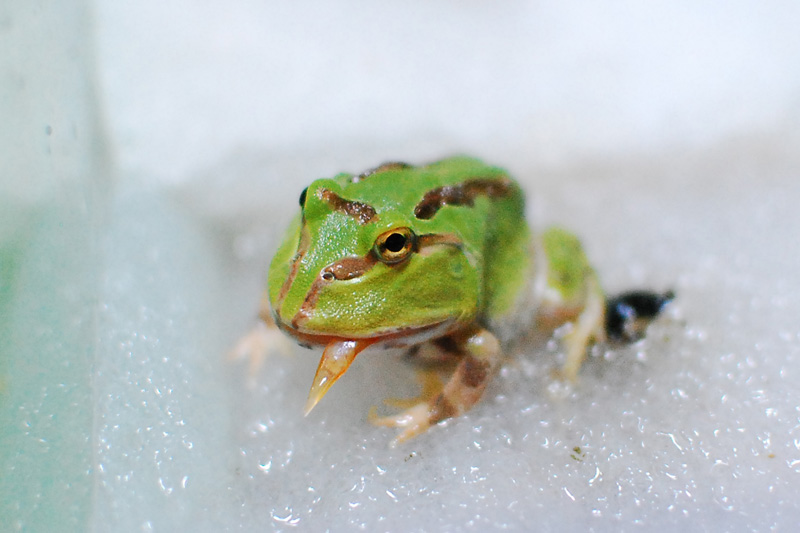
389	337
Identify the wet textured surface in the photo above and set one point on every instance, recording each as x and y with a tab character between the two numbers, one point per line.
697	425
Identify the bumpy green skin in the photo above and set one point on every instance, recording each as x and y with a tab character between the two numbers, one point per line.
480	278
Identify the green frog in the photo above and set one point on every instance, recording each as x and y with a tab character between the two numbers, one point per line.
439	259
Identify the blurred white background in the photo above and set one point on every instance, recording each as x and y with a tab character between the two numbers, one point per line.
186	84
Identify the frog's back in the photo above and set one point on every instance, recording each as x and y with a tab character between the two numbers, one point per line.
398	185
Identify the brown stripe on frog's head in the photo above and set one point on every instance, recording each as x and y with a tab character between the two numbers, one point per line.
361	212
302	249
461	194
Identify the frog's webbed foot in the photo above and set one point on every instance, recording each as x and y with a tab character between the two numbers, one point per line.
256	344
480	359
629	314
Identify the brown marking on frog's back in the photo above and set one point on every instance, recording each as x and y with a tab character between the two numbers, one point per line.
461	194
392	165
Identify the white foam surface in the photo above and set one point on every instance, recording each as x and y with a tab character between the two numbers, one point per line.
664	134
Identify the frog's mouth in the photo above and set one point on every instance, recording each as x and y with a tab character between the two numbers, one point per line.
340	352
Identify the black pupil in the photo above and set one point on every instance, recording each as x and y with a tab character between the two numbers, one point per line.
303	197
395	242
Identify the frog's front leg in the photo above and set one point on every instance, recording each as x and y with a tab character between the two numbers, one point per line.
480	357
256	344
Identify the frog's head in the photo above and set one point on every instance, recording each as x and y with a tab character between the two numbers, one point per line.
355	269
366	263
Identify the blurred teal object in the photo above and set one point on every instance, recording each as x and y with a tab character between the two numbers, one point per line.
50	165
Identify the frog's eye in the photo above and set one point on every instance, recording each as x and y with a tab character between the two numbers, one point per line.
395	245
303	197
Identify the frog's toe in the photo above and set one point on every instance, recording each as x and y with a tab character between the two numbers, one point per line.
415	420
407	418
